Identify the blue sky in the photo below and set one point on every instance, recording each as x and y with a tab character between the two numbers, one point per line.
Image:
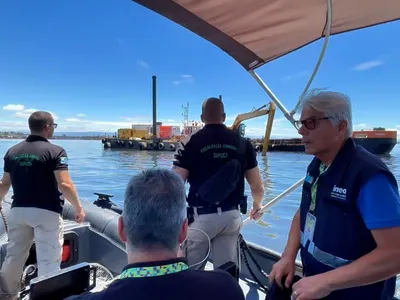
90	63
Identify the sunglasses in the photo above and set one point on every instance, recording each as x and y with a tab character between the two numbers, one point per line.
310	123
54	125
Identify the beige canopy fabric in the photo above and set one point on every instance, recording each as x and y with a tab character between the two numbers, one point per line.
255	32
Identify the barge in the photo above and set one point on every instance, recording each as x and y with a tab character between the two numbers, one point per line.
378	141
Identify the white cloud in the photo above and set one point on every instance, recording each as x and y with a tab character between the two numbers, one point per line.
25	114
185	78
368	65
142	64
81	115
359	126
14	107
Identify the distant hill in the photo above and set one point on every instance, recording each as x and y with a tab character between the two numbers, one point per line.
83	133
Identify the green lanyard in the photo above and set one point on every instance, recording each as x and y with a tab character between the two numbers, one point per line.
322	169
154	271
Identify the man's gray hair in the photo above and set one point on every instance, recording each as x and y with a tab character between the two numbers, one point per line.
336	106
154	210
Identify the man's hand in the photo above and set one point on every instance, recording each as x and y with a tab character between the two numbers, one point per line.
286	266
79	215
309	288
255	213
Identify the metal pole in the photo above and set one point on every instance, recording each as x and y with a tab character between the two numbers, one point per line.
220	97
321	56
278	198
272	96
154	108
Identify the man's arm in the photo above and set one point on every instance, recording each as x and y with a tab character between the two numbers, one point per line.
5	184
253	177
183	159
379	205
64	181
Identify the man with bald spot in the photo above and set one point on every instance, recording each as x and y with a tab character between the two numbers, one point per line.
215	160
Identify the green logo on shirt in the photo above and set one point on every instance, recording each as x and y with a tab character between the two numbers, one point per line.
25	160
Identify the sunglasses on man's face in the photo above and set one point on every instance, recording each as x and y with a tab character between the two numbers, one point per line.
310	123
54	125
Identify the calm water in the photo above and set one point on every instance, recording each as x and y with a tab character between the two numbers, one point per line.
94	169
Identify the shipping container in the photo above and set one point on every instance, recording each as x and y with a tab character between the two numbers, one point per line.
141	127
176	130
142	134
124	133
165	132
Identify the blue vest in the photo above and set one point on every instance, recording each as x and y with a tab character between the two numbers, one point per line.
340	235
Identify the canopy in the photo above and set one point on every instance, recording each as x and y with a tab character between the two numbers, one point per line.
255	32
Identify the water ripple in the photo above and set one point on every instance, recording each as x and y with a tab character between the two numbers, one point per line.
94	169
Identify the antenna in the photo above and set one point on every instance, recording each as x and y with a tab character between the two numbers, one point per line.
185	114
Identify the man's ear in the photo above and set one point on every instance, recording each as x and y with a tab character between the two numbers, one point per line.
121	230
184	231
342	128
224	117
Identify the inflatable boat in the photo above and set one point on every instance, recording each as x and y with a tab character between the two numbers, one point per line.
93	256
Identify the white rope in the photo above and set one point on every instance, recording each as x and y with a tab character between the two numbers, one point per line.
209	247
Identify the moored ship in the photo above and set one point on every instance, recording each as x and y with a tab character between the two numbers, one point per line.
377	141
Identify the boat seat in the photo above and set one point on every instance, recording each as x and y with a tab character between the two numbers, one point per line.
70	281
231	268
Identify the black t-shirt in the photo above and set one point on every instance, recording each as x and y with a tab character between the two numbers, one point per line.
187	284
206	151
31	165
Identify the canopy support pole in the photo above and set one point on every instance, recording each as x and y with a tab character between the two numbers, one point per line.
321	56
278	198
272	96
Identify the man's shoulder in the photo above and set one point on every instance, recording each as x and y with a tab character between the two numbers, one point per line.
215	277
56	148
208	282
368	162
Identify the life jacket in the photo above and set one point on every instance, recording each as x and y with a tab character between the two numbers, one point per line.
340	234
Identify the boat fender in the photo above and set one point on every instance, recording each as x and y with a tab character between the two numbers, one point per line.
150	145
257	148
172	147
130	144
108	145
103	220
142	146
161	146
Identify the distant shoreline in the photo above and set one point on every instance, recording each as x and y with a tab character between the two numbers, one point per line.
63	137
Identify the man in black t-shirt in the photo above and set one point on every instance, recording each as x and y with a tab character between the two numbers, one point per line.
152	226
37	171
215	161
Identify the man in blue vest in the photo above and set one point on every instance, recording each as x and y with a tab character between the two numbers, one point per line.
348	225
